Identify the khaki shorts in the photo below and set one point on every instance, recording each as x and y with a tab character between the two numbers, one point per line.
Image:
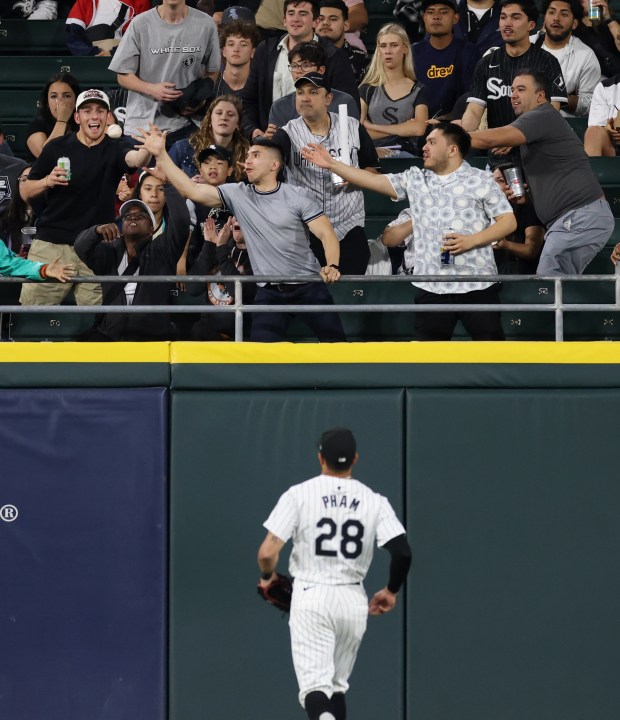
54	293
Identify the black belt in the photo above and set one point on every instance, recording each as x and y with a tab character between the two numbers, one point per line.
285	287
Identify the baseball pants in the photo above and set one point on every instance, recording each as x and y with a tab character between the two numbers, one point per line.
327	624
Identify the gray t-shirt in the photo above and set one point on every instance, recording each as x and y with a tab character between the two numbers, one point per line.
274	227
556	166
383	110
157	51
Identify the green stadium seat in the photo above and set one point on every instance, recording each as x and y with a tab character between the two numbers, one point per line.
579	125
49	326
33	72
18	106
41	37
375	23
15	135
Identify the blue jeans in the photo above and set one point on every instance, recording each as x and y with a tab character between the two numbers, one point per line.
271	327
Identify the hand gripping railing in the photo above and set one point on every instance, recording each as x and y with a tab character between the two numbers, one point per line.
239	308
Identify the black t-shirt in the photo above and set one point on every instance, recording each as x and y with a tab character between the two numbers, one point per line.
509	264
493	76
89	198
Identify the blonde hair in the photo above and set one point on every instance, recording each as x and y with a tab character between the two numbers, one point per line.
203	137
376	74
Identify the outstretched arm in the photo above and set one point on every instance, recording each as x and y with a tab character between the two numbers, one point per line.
153	141
362	178
507	136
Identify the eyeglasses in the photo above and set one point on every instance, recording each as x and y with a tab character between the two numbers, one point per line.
305	66
132	217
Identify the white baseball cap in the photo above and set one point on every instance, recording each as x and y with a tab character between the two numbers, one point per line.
97	96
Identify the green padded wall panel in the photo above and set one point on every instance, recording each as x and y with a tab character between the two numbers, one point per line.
513	511
233	454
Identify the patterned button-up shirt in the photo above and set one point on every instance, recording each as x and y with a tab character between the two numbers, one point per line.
466	202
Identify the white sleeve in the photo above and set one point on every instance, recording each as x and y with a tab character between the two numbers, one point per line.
283	518
389	526
600	112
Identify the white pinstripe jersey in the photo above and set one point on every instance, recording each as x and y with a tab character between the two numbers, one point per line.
334	524
344	204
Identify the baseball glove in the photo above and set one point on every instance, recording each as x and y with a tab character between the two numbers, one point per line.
278	593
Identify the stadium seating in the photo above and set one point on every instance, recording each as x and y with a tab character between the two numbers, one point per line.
33	72
40	37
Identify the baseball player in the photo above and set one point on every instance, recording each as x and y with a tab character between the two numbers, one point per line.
343	204
333	521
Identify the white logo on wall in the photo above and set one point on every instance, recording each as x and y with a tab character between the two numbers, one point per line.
8	513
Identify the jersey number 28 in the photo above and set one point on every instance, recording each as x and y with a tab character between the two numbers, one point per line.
351	534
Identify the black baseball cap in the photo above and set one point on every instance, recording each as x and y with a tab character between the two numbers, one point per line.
338	448
315	78
449	3
280	141
217	150
236	13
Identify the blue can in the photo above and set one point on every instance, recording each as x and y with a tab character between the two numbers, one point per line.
446	256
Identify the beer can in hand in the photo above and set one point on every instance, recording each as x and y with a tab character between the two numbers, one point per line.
446	256
594	13
65	164
513	177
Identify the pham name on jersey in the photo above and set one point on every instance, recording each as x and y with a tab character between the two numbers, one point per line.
340	501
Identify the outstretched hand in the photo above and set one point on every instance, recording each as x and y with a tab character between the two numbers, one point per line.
382	602
152	140
318	155
61	272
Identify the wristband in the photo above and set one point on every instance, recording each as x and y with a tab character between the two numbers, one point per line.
43	271
336	267
610	19
62	121
266	575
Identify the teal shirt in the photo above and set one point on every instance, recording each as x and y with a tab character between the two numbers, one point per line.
12	264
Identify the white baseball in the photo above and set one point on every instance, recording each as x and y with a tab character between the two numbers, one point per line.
114	131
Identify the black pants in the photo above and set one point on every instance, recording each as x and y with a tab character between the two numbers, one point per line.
354	252
485	325
271	327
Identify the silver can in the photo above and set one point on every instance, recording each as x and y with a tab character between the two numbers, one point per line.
65	164
514	178
446	257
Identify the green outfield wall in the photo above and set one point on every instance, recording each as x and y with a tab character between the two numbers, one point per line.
501	460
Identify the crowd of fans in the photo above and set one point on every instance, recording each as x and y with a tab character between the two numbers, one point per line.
233	120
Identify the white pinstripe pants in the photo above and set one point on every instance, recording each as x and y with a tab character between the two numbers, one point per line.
327	625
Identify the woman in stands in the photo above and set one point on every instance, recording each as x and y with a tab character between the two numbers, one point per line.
18	215
221	126
55	115
390	89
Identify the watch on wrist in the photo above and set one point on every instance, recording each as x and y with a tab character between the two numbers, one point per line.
336	267
610	19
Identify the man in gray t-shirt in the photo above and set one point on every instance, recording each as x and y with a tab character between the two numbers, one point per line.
275	219
162	52
566	195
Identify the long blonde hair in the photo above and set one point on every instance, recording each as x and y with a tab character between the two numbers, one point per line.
203	137
376	72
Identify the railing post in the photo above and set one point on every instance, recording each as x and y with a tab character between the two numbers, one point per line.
559	310
238	312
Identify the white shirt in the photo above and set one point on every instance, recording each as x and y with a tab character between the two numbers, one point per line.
467	201
282	79
605	103
334	524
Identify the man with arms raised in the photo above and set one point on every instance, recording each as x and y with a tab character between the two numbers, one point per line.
77	200
275	218
457	212
566	195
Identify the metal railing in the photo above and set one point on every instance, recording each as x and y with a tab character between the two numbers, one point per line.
557	306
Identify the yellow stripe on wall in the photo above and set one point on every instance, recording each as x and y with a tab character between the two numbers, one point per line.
308	353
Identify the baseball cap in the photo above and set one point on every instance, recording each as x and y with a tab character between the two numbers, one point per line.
338	447
280	141
315	78
449	3
138	204
88	96
195	95
237	12
217	150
